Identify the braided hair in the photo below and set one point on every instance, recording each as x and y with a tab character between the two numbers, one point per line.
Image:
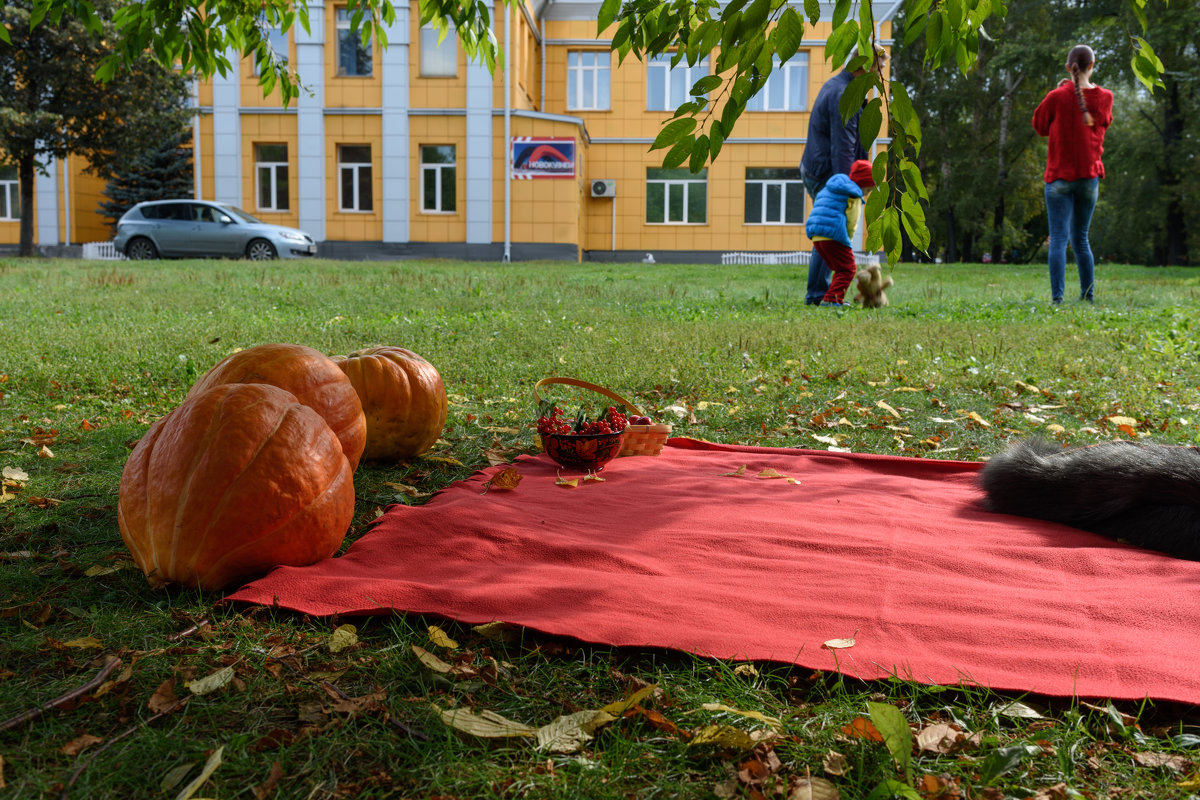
1079	60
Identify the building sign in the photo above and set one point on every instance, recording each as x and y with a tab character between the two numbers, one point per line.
552	157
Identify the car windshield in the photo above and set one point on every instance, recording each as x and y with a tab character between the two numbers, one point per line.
244	216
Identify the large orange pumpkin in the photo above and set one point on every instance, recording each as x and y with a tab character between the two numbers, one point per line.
307	373
403	398
236	480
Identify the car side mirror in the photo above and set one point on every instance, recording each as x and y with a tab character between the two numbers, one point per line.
226	219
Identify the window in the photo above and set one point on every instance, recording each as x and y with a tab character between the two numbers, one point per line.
786	88
438	59
667	88
277	40
354	177
588	79
774	196
437	178
354	57
271	169
676	196
10	194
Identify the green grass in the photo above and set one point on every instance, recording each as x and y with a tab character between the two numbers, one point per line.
967	356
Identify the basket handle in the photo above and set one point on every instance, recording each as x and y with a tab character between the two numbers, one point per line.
585	385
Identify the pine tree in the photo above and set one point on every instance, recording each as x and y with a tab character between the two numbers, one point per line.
161	172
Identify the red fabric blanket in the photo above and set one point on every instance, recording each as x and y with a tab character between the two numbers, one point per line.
671	551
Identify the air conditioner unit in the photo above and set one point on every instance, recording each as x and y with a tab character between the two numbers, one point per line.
604	188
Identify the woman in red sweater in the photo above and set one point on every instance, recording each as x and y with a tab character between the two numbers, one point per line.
1075	116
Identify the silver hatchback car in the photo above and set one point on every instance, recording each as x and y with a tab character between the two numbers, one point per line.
204	229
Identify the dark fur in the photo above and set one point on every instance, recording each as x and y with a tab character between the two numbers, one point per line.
1144	494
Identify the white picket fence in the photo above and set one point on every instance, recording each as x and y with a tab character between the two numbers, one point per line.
101	251
862	259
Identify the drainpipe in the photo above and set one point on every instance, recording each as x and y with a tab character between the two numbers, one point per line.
507	132
197	172
66	182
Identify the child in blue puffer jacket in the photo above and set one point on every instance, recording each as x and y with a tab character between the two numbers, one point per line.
831	224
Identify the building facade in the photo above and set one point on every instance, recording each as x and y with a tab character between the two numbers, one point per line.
411	150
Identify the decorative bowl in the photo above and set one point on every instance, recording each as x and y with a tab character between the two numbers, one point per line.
582	451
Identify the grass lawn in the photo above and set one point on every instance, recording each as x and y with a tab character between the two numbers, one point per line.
93	352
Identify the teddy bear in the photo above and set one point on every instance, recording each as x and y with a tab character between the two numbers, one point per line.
871	283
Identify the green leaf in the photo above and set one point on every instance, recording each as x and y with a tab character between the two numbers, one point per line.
1001	761
789	33
965	58
699	154
870	122
672	132
706	85
716	137
841	42
890	230
912	179
914	221
754	17
888	719
854	95
711	37
933	40
841	10
681	152
608	13
812	9
891	789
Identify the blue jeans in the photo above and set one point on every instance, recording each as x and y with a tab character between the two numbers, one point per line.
819	273
1069	207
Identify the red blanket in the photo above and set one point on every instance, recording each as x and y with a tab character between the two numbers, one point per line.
671	551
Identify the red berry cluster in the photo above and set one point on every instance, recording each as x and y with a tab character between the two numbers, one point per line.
553	423
613	421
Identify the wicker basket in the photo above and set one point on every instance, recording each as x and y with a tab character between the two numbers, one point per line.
639	440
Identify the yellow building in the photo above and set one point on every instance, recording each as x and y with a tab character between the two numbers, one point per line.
401	151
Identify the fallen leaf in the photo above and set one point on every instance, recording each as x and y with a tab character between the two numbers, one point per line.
838	644
746	669
431	661
862	728
1126	421
485	724
15	474
78	744
45	452
938	738
829	440
408	491
505	480
974	417
163	697
619	707
441	638
593	477
87	426
770	473
175	776
86	642
210	683
725	737
1163	760
812	789
444	460
887	408
772	722
1018	710
498	631
567	483
569	733
210	767
835	763
737	473
343	636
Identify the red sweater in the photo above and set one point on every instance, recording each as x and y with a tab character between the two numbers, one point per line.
1075	148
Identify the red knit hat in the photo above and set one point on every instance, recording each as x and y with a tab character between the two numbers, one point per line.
860	173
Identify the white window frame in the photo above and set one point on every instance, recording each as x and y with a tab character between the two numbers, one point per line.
786	187
681	183
10	196
343	21
360	172
272	170
676	83
791	75
439	170
431	67
582	76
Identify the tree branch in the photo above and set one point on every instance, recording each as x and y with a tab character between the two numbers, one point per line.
34	713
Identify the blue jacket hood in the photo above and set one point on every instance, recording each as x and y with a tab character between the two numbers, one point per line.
828	215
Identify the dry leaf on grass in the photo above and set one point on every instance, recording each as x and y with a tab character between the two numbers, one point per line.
78	744
343	637
210	683
504	480
499	631
210	767
812	789
774	723
441	638
485	724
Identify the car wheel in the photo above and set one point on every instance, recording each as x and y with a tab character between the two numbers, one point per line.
260	250
141	249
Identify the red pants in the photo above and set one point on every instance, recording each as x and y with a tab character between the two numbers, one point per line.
840	259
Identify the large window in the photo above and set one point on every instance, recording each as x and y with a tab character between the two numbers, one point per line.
354	177
438	59
278	42
667	88
774	196
676	196
10	194
271	170
786	88
354	57
588	80
438	171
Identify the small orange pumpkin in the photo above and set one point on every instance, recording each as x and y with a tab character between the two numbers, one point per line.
403	398
238	479
308	374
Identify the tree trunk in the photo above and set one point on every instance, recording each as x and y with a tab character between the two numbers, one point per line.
25	180
1010	87
1172	135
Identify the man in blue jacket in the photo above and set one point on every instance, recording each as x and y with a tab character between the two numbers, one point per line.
831	148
